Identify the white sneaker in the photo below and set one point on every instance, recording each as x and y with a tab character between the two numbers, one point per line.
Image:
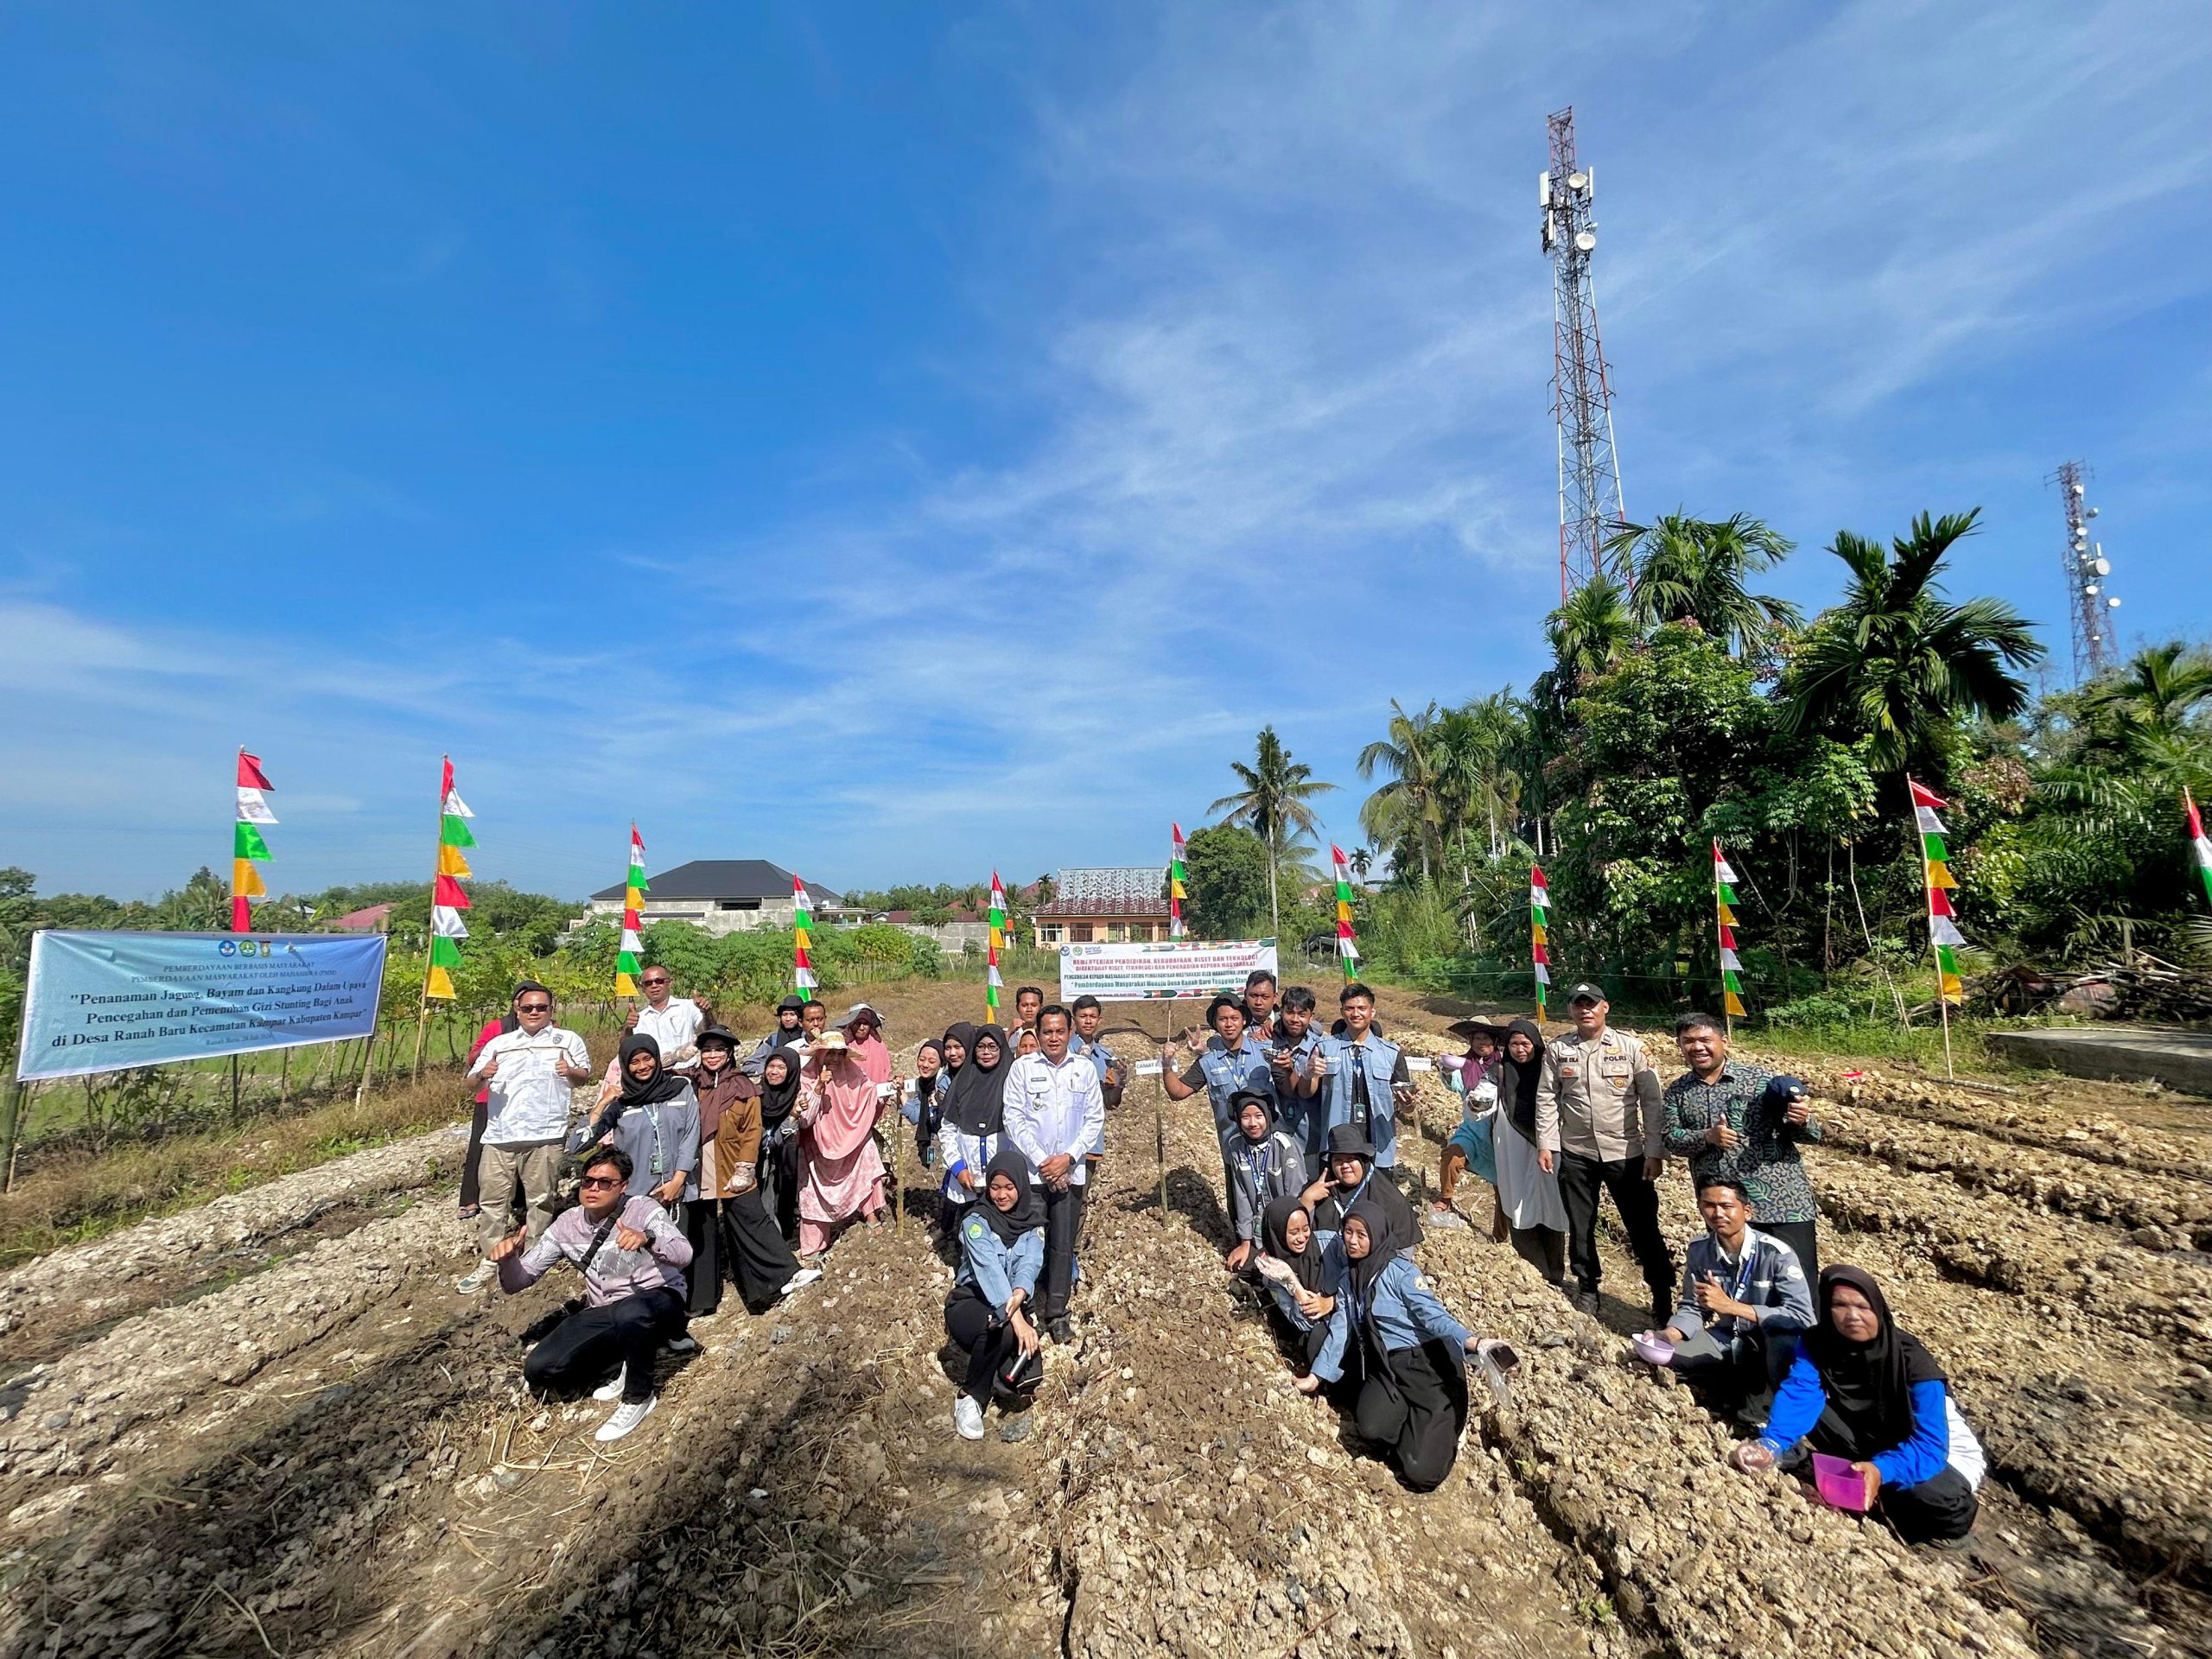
612	1390
800	1281
681	1345
484	1273
627	1417
968	1418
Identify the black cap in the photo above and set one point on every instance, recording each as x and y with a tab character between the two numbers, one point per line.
1586	992
1349	1139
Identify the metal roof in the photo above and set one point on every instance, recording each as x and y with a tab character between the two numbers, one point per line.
727	877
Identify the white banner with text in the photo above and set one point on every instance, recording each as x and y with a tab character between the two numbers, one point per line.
1168	968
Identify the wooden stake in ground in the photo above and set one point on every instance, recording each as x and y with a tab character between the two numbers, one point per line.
234	1088
1159	1115
15	1113
899	1165
284	1079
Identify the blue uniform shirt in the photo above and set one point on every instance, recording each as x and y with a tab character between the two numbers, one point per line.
1403	1309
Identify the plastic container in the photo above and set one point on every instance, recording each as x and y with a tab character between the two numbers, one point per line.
1653	1348
1840	1486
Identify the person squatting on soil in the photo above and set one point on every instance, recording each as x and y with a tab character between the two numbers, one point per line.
1862	1389
1054	1114
529	1074
1301	1267
633	1258
1265	1164
1743	1303
987	1316
1732	1118
730	1212
1599	1123
1388	1330
1472	1077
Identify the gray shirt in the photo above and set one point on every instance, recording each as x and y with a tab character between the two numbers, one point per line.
661	1138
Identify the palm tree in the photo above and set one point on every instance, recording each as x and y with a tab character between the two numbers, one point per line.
1894	662
1406	807
1272	802
2153	702
1692	570
1590	630
1361	861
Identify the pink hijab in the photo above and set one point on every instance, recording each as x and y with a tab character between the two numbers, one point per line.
872	1054
848	1102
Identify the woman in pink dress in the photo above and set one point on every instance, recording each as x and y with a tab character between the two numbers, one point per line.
838	1104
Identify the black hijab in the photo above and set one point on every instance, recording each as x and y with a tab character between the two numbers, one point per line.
960	1032
976	1105
1360	1276
663	1084
1375	1189
1516	1082
1869	1384
777	1099
1028	1212
1274	1228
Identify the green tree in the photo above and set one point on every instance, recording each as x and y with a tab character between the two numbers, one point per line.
1591	630
1897	663
2157	700
1695	570
1272	805
1227	870
1404	812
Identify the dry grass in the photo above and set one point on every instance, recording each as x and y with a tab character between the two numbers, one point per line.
68	1203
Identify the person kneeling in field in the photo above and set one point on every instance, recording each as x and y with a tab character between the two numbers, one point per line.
632	1259
1744	1303
1410	1353
1864	1390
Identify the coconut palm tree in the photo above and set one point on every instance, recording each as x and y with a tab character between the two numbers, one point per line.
1361	861
2155	701
1693	570
1590	630
1896	662
1405	808
1272	805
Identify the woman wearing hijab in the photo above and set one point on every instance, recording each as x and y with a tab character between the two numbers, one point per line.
777	1168
1265	1163
722	1088
841	1178
1347	1177
752	1250
1002	1253
1864	1390
863	1030
1407	1352
655	1119
975	1113
1301	1273
1535	1215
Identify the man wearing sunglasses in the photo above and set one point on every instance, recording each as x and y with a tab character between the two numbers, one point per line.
633	1258
672	1021
529	1072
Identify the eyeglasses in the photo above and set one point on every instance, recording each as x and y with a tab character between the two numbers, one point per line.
600	1180
654	981
533	1007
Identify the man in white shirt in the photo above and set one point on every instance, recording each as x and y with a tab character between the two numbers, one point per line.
1054	1112
672	1021
529	1072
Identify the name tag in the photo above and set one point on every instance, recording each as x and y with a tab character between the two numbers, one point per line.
1420	1063
1147	1068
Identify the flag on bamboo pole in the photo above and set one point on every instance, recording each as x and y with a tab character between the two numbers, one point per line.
447	899
1723	902
2203	848
992	983
1176	892
247	846
802	941
632	947
1539	941
1347	944
1935	859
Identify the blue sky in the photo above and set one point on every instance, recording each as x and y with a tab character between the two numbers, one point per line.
897	441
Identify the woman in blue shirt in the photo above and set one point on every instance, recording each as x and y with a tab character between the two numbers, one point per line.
1300	1268
1410	1354
1863	1389
1002	1253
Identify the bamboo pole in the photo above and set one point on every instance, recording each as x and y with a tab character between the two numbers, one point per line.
14	1114
284	1079
234	1088
1160	1116
898	1166
368	1059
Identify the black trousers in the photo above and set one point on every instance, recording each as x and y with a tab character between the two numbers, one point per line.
1416	1406
1637	1200
1802	1236
758	1257
1542	1248
1063	1226
968	1321
471	1186
703	1229
1731	1380
778	1173
582	1352
1940	1508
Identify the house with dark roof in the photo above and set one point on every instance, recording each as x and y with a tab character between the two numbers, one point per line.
722	895
1107	906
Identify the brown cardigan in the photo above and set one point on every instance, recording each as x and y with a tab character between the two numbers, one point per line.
732	1107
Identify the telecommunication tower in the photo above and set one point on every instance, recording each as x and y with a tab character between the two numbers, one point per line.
1582	396
2091	602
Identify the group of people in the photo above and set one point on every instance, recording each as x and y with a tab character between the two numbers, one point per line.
703	1160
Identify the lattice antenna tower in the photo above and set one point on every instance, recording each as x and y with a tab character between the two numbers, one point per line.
1590	506
2091	602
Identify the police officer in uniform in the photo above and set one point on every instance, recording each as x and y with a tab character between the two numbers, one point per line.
1599	1119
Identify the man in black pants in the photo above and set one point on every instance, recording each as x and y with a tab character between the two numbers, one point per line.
1599	1119
633	1258
1054	1111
